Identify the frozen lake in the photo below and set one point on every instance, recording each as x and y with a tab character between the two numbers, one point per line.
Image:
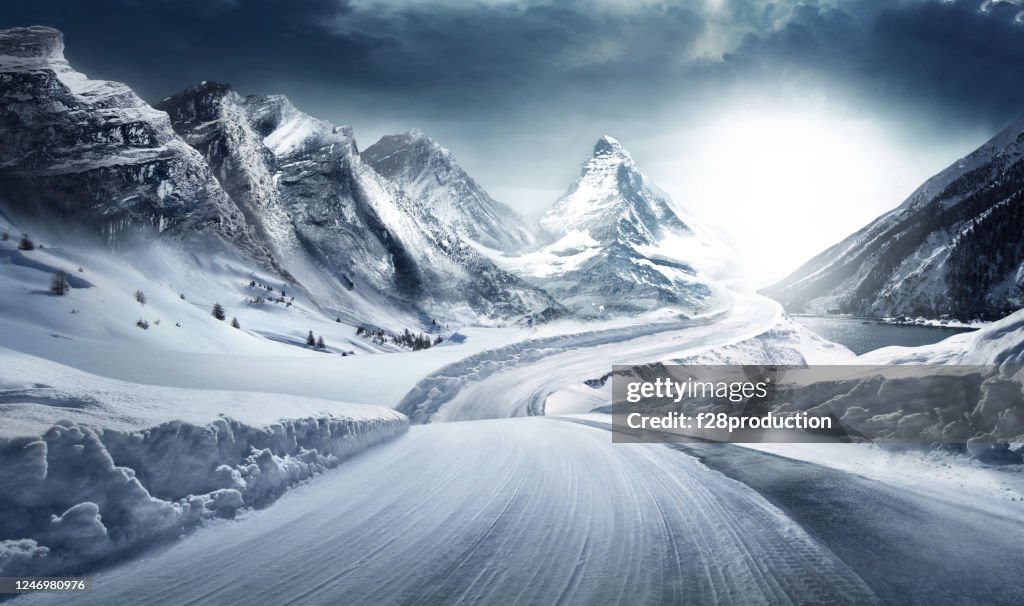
862	335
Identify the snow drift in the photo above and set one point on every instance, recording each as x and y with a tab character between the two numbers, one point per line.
98	469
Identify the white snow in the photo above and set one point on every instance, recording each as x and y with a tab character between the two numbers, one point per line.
100	467
532	511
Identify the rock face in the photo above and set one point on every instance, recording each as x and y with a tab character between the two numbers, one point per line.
953	247
337	224
95	157
400	229
617	245
429	174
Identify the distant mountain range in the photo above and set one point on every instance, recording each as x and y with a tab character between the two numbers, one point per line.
398	228
954	247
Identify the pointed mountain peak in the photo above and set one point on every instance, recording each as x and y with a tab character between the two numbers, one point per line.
416	135
197	103
610	146
412	143
411	137
610	198
607	143
287	129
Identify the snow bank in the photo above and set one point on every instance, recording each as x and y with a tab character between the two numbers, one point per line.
1000	342
788	342
95	469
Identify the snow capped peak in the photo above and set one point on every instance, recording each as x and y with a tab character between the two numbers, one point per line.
23	44
430	174
287	130
198	103
415	141
416	134
610	198
610	146
619	245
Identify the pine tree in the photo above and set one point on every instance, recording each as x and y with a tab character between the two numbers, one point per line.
140	297
218	311
310	339
59	283
320	343
234	323
26	243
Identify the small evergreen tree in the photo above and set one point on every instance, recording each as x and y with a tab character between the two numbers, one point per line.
310	339
144	325
234	323
182	296
26	243
320	343
218	312
140	297
59	283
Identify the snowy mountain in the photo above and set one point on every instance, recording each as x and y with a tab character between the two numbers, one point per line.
953	247
94	157
347	234
429	174
396	236
617	244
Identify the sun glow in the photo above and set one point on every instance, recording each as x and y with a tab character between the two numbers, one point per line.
784	185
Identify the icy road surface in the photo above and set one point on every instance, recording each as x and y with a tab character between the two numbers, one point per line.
532	511
545	510
516	380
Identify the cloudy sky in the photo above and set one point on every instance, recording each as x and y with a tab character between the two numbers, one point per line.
787	124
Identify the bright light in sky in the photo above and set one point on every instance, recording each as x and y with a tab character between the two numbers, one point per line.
785	185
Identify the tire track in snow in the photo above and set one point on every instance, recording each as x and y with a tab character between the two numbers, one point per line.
527	511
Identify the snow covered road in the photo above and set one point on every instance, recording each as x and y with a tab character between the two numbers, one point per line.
515	380
530	511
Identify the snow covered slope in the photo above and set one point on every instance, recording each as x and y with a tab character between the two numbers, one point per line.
214	120
429	174
357	224
953	247
100	467
360	245
616	244
95	158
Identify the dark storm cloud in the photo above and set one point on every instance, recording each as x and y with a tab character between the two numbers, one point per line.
457	57
157	44
951	58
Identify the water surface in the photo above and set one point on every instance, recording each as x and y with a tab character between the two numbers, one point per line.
863	335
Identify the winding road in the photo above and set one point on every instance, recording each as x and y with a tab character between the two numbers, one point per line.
515	380
548	510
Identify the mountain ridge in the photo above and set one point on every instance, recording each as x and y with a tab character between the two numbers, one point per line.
949	249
